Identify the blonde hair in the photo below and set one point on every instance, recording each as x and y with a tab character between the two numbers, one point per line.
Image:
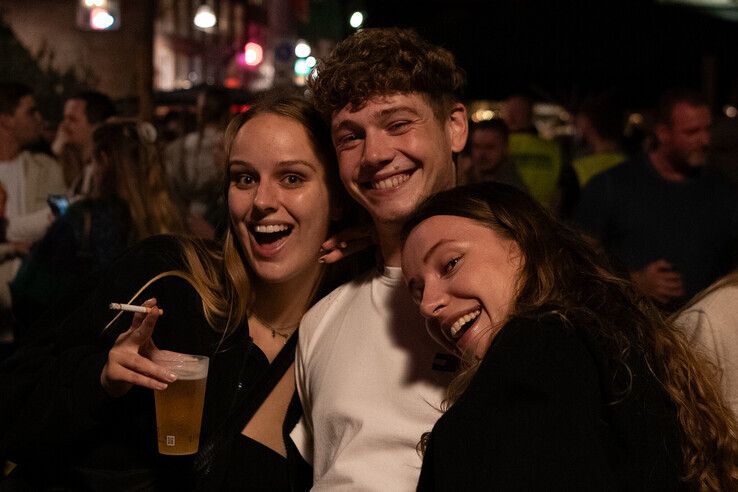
222	278
133	171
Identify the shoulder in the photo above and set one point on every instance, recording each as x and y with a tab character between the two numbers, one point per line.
325	315
717	305
541	351
40	159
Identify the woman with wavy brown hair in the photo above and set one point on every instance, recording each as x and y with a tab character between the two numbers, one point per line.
573	380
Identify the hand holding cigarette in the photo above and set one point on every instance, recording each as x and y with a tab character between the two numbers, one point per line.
135	309
129	361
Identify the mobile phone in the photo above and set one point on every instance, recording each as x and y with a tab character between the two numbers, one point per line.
58	204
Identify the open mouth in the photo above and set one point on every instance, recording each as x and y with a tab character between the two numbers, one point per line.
463	324
389	182
269	234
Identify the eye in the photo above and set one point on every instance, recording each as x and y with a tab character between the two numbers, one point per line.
293	180
451	264
243	180
398	126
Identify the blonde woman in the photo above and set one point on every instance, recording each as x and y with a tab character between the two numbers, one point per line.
91	417
128	201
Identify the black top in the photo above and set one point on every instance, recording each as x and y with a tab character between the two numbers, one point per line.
248	459
534	418
63	430
640	217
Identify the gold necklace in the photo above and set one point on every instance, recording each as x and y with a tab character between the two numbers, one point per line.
290	329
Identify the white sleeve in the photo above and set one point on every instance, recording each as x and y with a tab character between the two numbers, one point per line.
29	228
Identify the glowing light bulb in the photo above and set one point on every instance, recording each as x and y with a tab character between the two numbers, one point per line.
204	17
356	20
100	19
302	49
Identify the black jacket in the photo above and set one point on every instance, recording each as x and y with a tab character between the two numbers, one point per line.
536	417
63	430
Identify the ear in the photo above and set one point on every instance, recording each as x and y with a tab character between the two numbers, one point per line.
457	126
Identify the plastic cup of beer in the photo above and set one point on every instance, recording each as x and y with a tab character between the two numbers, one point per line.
179	407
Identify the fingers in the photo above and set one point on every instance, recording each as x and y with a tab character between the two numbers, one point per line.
126	365
347	242
346	250
143	325
125	369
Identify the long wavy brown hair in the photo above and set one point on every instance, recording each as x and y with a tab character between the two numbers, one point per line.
563	273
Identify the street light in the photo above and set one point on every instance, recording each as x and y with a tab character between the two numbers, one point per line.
204	17
356	20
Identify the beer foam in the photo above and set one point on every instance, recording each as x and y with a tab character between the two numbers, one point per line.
186	367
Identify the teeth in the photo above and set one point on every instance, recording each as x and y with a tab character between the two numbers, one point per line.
391	182
266	229
464	320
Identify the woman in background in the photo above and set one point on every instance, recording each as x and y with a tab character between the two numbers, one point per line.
573	380
128	201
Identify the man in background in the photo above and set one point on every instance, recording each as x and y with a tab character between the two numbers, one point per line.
673	227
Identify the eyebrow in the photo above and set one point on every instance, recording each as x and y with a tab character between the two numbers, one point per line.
433	248
291	162
381	114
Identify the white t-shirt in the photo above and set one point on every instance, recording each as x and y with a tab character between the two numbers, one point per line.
712	326
371	382
14	182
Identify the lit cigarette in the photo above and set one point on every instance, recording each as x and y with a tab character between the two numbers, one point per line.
134	309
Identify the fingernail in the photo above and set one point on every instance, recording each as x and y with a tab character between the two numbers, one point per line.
171	377
321	259
161	386
343	244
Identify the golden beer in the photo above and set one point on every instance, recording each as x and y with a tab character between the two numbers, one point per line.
179	407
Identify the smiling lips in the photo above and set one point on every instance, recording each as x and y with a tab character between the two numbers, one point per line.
462	324
389	182
268	238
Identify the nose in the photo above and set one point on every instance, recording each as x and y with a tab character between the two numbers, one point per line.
377	149
266	197
433	301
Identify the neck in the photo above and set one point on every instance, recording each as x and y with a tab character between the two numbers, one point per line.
389	243
282	305
664	166
9	148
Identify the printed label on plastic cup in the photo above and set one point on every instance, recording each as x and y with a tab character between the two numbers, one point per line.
170	441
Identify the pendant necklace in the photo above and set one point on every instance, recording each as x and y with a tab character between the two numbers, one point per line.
290	329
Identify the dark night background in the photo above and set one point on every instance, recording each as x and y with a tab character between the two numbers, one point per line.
560	50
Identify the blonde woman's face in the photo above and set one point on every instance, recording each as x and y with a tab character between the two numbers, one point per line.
278	198
464	278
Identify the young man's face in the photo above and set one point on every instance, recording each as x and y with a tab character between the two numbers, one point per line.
77	127
25	123
394	152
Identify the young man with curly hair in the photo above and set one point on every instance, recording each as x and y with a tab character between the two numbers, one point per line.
370	380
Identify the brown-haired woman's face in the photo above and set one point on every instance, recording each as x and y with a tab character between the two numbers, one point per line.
464	277
278	198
